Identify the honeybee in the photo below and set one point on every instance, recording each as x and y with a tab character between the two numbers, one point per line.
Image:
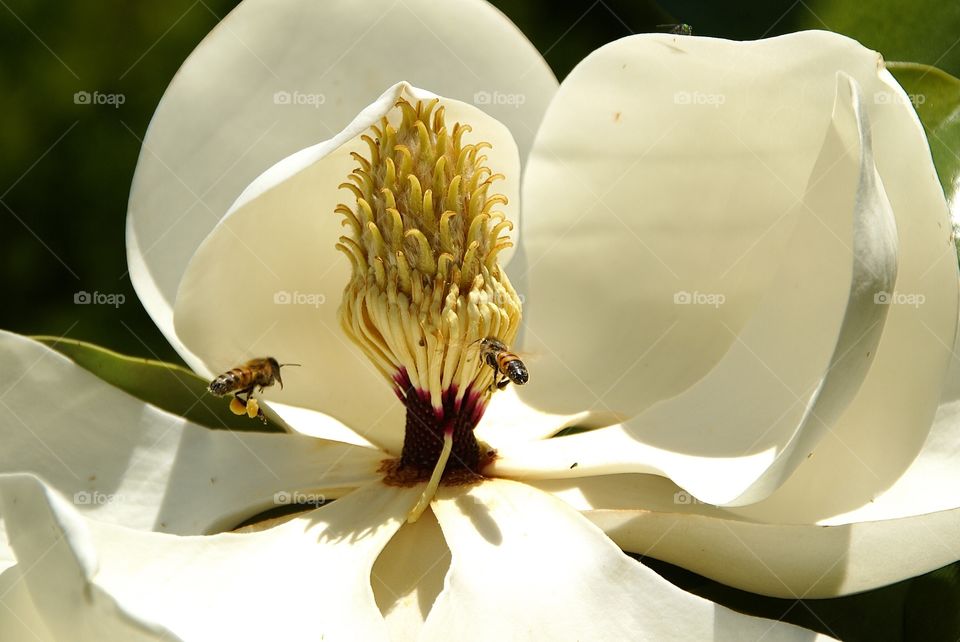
508	366
243	380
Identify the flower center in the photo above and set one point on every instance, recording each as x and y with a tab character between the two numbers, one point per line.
426	287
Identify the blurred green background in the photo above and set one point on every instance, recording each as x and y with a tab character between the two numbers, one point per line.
65	172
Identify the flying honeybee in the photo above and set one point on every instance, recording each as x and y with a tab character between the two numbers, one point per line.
508	366
243	380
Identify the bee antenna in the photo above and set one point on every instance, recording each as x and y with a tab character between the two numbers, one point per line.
289	364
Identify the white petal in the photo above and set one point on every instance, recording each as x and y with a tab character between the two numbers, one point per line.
222	121
19	619
694	197
886	426
649	515
304	580
409	574
509	420
527	567
835	547
903	531
733	436
268	281
126	462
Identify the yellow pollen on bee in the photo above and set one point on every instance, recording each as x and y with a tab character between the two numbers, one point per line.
237	407
253	408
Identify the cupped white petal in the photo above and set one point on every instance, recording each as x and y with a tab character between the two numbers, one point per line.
527	567
126	462
734	435
277	75
268	281
683	159
307	579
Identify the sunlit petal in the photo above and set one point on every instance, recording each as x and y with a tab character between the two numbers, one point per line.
303	580
277	75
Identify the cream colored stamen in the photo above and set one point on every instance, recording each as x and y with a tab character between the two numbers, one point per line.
424	236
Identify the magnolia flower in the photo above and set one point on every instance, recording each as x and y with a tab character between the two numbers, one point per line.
735	269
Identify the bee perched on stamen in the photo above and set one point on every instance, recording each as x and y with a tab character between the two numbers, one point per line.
508	366
242	381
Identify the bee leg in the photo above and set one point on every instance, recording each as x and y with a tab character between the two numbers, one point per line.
246	392
253	406
503	383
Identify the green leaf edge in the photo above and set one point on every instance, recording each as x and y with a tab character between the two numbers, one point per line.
183	394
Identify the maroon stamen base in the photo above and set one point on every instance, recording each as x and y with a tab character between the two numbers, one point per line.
423	439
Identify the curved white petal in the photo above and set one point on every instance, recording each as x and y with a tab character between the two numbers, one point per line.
307	579
268	281
527	567
880	434
734	435
126	462
277	75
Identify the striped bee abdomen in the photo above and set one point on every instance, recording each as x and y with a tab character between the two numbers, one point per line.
231	381
510	365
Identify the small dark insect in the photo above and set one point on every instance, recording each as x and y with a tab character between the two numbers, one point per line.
682	29
243	380
508	366
574	465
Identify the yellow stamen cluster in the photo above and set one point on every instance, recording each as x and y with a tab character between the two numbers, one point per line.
423	243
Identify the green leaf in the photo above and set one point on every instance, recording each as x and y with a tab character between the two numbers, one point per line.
165	385
936	96
923	30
